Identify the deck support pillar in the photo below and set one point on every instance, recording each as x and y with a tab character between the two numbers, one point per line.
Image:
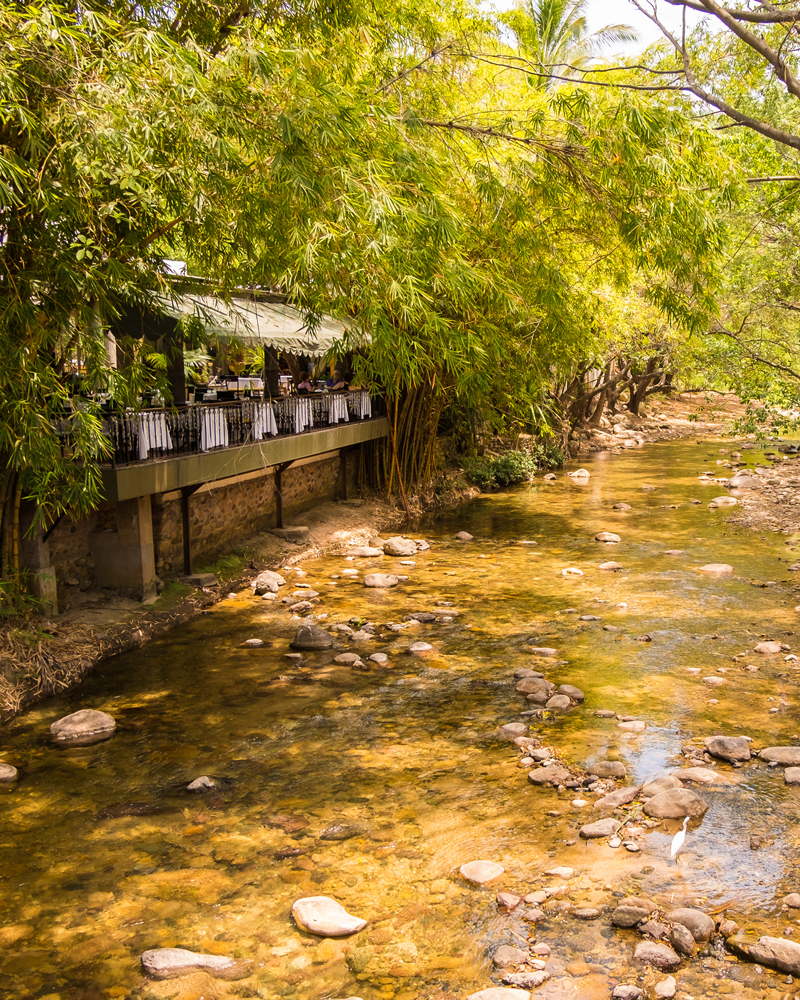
279	471
186	527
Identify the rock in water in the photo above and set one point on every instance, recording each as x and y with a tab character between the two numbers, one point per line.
622	506
553	774
169	963
700	775
324	916
666	989
558	703
542	650
782	755
573	693
660	784
675	803
723	502
699	924
602	828
625	992
775	953
481	871
364	551
716	569
579	474
419	647
201	784
619	798
500	993
381	580
507	955
607	536
681	939
399	546
311	637
632	911
770	646
732	748
792	775
512	729
83	727
7	772
611	566
464	536
607	769
268	581
660	956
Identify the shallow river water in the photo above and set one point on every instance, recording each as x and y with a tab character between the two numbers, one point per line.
104	853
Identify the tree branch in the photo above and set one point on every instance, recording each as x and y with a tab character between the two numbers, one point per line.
772	16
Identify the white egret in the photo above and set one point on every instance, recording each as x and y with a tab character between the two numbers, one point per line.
677	841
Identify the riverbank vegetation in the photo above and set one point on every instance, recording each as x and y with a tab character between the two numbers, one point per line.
532	237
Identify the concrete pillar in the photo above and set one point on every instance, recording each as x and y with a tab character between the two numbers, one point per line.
125	558
35	559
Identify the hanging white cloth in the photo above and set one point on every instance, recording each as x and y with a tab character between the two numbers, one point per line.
263	419
153	433
213	428
362	404
338	410
303	416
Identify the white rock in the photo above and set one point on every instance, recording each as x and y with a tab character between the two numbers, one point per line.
579	474
326	917
267	581
165	963
381	580
87	724
667	988
8	772
200	783
379	658
481	871
500	993
419	647
607	536
716	569
770	646
571	571
723	502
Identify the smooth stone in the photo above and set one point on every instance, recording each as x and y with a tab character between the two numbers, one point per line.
542	651
728	928
464	536
553	774
561	872
311	637
622	506
558	703
306	594
481	871
500	993
579	474
781	755
660	784
325	917
379	658
86	724
8	772
399	546
605	713
573	693
792	775
635	726
699	924
169	963
347	658
623	992
792	900
508	900
700	775
611	566
421	647
537	686
621	797
507	955
590	618
571	571
252	644
200	784
607	536
607	768
675	803
381	580
363	552
673	552
632	911
301	606
541	949
513	729
775	953
732	748
666	989
586	913
426	617
529	980
716	569
770	646
267	581
744	483
723	502
660	956
601	828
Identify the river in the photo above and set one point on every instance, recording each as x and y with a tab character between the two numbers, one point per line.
105	854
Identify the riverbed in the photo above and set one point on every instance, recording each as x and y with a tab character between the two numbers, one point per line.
373	786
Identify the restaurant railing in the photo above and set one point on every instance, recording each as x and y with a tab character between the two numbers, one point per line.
150	434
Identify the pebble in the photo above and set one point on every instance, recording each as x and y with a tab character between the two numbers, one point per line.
325	917
480	872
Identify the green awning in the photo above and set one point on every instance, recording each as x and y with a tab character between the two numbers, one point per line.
256	324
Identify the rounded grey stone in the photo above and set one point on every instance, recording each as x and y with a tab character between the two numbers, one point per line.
86	725
311	637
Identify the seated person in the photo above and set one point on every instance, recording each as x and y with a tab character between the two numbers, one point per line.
304	385
337	382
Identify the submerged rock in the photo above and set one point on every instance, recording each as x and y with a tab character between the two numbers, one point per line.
311	637
381	580
500	993
732	748
480	872
169	963
633	726
716	569
363	552
420	647
607	768
675	803
84	727
326	917
507	955
201	784
542	651
775	953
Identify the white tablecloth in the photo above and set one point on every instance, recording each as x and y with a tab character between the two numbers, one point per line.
251	383
263	419
362	404
302	415
153	433
338	410
213	429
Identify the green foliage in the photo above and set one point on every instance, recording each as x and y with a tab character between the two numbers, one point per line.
507	469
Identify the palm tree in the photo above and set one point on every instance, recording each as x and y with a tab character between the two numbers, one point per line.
554	35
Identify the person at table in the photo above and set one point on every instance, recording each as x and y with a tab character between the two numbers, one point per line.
304	385
337	382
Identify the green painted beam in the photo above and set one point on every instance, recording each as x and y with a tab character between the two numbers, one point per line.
162	475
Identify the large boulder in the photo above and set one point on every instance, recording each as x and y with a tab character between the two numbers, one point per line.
775	953
83	727
169	963
267	582
311	637
381	580
732	748
399	546
326	917
675	803
782	755
660	784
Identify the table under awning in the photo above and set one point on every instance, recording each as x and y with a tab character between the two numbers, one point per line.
256	323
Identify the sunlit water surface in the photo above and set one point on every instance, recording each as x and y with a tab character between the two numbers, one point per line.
105	854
